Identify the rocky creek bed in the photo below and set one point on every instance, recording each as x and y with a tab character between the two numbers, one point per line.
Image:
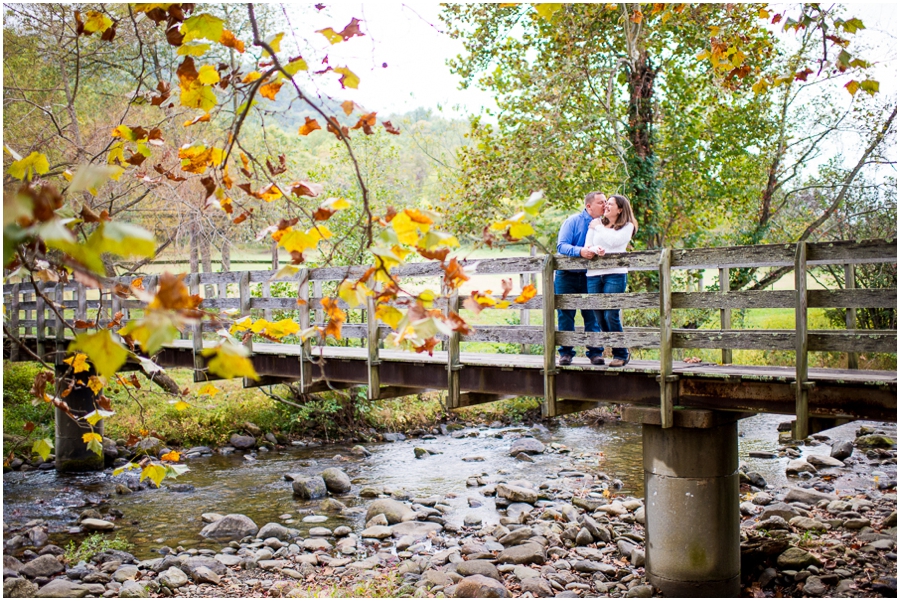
475	512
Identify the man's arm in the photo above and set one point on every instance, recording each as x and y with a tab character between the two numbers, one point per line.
565	240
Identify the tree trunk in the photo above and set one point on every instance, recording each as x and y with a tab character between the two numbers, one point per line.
195	245
226	254
643	184
206	258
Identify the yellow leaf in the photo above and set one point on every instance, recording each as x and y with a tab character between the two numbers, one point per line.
43	447
198	96
96	21
852	87
98	414
209	390
251	77
331	35
389	315
94	442
208	75
270	90
202	26
348	78
298	64
78	362
155	472
96	384
229	360
760	86
106	354
353	293
171	456
192	49
528	293
546	10
274	43
181	405
763	13
34	163
89	436
520	230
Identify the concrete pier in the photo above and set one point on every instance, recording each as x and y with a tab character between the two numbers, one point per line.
71	451
691	489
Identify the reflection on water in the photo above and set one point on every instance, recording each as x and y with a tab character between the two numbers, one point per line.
230	484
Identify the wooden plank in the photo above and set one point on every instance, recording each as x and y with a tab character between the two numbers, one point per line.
393	392
856	341
316	301
631	338
227	277
372	360
852	299
81	311
524	313
269	303
548	407
801	424
724	313
41	329
782	255
666	376
779	340
197	334
267	295
303	320
60	325
742	299
14	322
645	260
850	315
627	300
26	298
523	335
453	364
852	252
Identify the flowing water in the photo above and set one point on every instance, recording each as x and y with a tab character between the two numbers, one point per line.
231	484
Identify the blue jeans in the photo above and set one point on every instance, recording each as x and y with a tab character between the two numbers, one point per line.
609	320
567	282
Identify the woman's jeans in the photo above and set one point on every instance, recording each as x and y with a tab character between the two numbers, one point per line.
609	320
574	282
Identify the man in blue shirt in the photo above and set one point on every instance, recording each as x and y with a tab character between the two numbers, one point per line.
570	242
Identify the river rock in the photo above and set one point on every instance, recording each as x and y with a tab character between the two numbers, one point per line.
814	586
640	591
173	578
524	457
798	466
239	441
516	537
590	567
336	481
795	558
62	589
530	446
823	461
42	566
274	530
782	510
522	554
133	590
517	494
478	566
807	496
417	529
842	449
360	451
875	440
204	574
192	564
19	588
480	587
123	557
378	532
394	511
252	429
125	573
150	445
233	526
93	525
537	587
804	523
312	487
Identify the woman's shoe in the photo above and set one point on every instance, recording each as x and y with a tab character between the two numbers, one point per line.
565	359
597	361
619	362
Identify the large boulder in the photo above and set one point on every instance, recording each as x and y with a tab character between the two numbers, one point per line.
795	558
823	461
530	446
62	589
394	511
312	487
42	566
517	494
233	526
94	525
481	567
173	578
275	530
842	449
133	590
19	588
239	441
807	496
191	566
336	481
522	554
480	587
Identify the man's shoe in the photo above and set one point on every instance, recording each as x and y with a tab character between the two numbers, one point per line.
619	362
565	359
597	361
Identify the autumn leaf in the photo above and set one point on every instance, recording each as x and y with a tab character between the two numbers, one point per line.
96	21
96	384
852	87
78	362
202	26
25	169
251	77
637	16
547	10
94	442
192	49
155	472
274	42
270	90
349	106
304	188
171	456
229	360
208	389
336	317
208	75
348	78
366	122
105	354
389	315
43	448
389	128
294	66
335	37
94	417
309	126
528	293
228	40
179	404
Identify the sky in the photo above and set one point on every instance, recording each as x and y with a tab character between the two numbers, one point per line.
409	39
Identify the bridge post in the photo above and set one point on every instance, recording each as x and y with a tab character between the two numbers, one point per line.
72	454
691	490
453	363
548	299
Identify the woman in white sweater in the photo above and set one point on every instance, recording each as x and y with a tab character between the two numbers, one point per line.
611	233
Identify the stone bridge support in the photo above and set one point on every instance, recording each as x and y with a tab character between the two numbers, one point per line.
691	490
71	451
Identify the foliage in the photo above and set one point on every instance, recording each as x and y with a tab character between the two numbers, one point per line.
92	545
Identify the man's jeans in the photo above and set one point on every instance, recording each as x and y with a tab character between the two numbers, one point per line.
609	320
567	282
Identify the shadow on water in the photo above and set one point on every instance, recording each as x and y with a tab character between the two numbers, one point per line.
231	484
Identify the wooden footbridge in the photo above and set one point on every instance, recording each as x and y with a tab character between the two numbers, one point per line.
686	408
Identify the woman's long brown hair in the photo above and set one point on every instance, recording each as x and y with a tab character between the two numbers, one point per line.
626	215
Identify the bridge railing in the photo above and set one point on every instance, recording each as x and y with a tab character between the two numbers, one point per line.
30	315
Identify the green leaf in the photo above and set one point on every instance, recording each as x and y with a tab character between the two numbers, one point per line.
106	354
173	471
202	26
534	203
230	361
853	25
546	10
121	470
852	87
95	446
12	235
123	239
154	330
34	163
155	472
98	414
871	86
43	447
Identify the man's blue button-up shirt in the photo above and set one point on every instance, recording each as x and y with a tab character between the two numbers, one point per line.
573	233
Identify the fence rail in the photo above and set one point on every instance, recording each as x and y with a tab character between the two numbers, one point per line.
30	315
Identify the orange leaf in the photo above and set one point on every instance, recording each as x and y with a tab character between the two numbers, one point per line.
229	41
507	287
389	128
311	125
270	89
171	456
637	16
528	293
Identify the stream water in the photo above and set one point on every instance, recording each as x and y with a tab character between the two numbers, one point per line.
232	484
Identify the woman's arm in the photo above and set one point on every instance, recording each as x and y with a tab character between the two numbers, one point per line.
613	238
